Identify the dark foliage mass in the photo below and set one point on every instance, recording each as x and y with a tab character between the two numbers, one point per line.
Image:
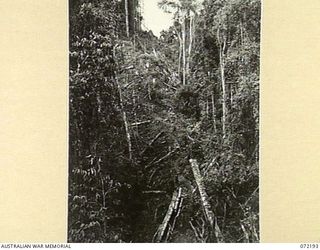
164	132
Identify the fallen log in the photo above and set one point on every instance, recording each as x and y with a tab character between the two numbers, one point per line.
210	216
167	225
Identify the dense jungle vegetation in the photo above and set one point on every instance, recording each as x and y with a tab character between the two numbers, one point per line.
164	131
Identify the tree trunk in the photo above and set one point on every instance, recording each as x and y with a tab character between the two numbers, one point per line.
180	54
190	44
103	192
222	47
136	123
184	49
126	7
207	108
213	112
205	202
169	220
125	121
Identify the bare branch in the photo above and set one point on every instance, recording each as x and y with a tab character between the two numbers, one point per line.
161	159
151	142
140	123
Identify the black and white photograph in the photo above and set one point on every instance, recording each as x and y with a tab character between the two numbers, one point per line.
164	121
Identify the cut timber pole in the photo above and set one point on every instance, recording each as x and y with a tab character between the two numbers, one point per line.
169	220
205	201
